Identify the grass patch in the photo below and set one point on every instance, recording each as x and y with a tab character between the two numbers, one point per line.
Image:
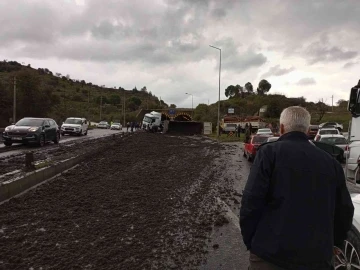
226	138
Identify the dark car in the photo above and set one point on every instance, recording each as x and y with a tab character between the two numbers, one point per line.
32	130
313	130
335	151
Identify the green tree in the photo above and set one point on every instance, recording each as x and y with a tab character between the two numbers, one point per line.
342	103
249	88
114	99
231	91
172	106
104	100
264	87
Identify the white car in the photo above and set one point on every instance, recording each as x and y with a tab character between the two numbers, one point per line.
332	124
272	139
350	251
264	131
75	126
326	131
103	124
117	126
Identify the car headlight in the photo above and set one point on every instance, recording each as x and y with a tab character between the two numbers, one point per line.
33	129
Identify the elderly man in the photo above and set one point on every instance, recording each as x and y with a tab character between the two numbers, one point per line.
295	206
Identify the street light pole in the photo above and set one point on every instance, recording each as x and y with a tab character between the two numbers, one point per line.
192	102
218	122
14	103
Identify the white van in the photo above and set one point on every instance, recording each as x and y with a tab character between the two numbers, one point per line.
75	126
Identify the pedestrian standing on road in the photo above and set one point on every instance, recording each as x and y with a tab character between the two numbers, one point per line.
132	126
247	135
238	130
296	206
127	126
250	127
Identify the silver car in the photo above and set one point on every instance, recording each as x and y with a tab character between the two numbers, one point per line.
103	124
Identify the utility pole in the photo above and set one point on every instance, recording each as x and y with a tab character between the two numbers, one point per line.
124	109
101	105
88	114
218	121
332	103
14	105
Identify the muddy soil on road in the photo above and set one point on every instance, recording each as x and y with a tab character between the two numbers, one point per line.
49	154
151	201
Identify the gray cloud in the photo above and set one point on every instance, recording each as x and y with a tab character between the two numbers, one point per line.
277	71
176	33
319	52
351	64
306	81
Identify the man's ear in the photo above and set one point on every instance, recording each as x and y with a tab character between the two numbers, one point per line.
282	129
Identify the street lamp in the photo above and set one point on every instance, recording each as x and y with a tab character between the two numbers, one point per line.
192	102
218	123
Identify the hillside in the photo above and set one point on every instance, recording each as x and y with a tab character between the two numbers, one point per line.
40	93
250	104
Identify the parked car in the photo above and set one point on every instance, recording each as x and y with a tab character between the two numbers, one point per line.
75	126
335	151
103	124
229	128
338	140
272	139
251	147
117	126
313	130
264	131
32	130
326	131
350	250
338	126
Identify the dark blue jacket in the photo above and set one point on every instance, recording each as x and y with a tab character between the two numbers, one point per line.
295	205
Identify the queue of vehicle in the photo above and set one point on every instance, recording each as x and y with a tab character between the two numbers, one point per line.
39	131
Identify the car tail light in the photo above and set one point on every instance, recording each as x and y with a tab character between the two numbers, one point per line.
347	148
358	161
317	137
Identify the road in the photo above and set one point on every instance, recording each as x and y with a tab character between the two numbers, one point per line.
172	203
92	134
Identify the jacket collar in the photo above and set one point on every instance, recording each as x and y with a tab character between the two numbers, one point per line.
294	136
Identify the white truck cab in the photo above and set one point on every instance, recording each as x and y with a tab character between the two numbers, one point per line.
75	126
152	121
353	161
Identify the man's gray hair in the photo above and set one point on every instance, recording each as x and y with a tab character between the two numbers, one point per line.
295	118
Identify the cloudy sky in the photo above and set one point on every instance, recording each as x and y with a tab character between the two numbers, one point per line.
303	48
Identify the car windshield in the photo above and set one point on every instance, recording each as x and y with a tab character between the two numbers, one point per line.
273	139
314	128
103	123
230	125
264	130
334	140
116	124
30	122
147	119
259	139
328	131
73	121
